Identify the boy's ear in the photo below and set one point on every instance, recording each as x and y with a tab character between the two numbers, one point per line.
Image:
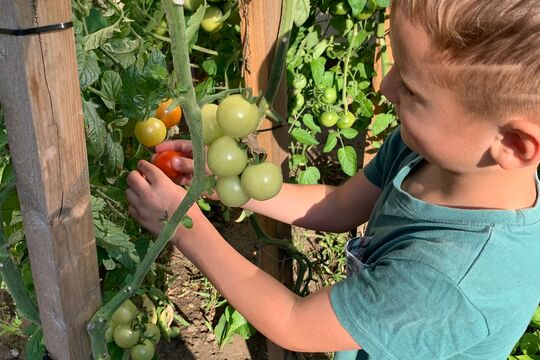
518	145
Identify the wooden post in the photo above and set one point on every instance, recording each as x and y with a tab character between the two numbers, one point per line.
40	95
260	27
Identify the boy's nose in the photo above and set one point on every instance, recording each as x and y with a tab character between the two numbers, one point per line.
390	86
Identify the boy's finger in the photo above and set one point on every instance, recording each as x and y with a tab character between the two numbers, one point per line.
132	197
182	165
183	146
136	181
152	173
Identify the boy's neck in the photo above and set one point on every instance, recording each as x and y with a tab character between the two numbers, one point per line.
493	189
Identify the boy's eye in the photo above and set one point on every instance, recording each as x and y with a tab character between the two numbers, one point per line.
404	89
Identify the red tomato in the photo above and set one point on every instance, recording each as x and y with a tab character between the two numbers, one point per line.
163	161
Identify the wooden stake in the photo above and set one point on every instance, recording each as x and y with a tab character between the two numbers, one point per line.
40	95
260	27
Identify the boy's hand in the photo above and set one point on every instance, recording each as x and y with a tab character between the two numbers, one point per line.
152	196
184	165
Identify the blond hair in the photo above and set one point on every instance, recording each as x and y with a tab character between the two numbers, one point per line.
488	51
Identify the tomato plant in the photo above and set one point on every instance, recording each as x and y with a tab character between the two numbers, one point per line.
262	181
125	313
329	95
150	132
237	117
328	118
163	161
339	7
346	120
169	117
225	157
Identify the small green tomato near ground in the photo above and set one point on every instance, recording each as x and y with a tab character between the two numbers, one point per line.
230	191
212	21
150	132
125	337
225	157
237	117
262	181
144	351
211	129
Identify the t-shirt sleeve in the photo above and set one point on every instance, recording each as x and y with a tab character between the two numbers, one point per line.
381	168
403	309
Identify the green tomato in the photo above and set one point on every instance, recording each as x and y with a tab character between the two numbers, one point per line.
109	333
125	337
125	313
211	129
328	118
339	8
230	191
262	181
192	5
299	102
330	95
299	82
162	28
225	157
212	21
144	351
152	333
175	332
150	132
346	120
237	117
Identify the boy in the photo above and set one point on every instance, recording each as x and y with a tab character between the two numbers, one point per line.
449	267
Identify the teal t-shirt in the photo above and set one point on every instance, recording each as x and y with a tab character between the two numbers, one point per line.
438	282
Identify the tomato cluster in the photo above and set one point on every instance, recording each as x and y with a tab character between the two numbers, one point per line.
237	180
128	331
154	130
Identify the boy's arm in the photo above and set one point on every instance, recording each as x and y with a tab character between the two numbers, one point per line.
295	323
292	322
322	207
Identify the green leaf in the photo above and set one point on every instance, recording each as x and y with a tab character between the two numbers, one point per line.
123	50
210	67
194	23
111	86
96	132
309	176
304	137
88	67
331	142
299	159
320	48
307	119
383	3
357	6
317	71
114	156
530	343
349	133
95	40
381	123
348	160
35	347
535	321
301	12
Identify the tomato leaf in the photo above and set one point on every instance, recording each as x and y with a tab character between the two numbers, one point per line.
95	40
301	12
35	347
331	142
123	50
383	3
114	156
349	133
309	176
194	23
307	119
347	158
317	71
96	132
381	123
111	86
88	67
304	137
357	6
